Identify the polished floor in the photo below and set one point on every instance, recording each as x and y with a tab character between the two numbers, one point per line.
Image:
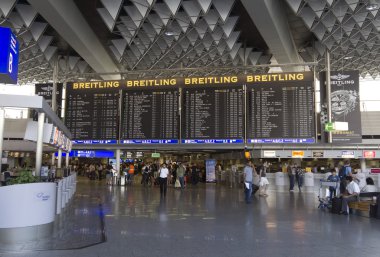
203	220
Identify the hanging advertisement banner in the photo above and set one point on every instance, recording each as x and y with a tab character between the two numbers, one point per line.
210	170
9	51
344	104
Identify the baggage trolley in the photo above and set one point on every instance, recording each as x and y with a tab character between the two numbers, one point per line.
324	201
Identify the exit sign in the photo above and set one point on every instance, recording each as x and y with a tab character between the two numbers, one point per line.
156	155
329	126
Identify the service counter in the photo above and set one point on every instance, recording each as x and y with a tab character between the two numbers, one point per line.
28	210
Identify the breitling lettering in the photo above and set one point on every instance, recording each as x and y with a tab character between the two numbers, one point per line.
96	85
151	82
275	77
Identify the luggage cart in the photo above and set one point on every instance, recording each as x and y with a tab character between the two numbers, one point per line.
324	201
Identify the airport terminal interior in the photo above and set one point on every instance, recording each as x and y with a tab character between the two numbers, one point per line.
189	128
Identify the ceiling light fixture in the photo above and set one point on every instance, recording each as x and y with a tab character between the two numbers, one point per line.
169	33
347	57
372	5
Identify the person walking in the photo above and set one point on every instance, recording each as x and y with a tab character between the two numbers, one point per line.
300	173
291	169
248	176
263	180
163	173
181	174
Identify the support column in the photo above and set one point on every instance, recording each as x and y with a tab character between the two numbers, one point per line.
59	165
118	162
2	122
67	159
52	159
363	165
40	133
55	80
328	93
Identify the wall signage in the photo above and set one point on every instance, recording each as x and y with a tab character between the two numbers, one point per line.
369	154
269	154
9	51
348	154
298	154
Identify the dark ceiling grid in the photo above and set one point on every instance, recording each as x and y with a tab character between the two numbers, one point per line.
39	44
347	29
172	34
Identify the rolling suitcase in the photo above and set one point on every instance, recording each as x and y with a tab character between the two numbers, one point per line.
336	205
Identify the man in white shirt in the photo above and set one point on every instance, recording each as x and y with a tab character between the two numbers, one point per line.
351	194
164	172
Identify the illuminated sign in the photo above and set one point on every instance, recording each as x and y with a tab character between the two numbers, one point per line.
150	141
156	155
318	154
298	154
8	56
269	154
369	154
94	141
212	141
348	154
282	141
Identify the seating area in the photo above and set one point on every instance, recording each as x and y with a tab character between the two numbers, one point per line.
363	206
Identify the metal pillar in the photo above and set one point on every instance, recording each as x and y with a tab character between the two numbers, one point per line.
40	133
67	159
52	159
55	80
363	165
2	122
118	162
59	165
328	93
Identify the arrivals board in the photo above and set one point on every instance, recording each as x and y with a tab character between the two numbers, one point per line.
92	114
213	115
281	110
150	116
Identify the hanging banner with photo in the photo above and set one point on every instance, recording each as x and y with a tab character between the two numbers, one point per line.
210	170
345	104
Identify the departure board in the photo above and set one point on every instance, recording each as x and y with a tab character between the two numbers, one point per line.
150	116
281	112
213	115
92	115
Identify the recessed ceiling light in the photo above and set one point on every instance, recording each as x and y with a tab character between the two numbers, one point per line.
169	33
372	5
347	57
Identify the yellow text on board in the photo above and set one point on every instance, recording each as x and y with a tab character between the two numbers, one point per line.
275	77
211	80
96	85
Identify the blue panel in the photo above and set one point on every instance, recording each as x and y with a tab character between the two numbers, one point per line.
8	56
149	141
212	141
282	141
93	142
90	154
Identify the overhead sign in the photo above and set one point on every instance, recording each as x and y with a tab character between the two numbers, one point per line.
156	155
298	154
329	126
348	154
269	154
369	154
318	154
8	56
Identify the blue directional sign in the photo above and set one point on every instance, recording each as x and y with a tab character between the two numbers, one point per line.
282	141
94	142
212	141
8	56
149	141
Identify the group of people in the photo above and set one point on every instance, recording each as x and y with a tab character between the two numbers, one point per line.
251	174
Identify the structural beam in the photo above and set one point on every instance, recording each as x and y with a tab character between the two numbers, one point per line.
68	21
271	21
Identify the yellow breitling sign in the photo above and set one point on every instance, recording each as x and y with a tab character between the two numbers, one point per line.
150	82
276	77
211	80
96	85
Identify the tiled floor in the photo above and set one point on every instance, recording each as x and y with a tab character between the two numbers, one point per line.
207	220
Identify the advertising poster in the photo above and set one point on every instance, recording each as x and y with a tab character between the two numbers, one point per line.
344	104
210	170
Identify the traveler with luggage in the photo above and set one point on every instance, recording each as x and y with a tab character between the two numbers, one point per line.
248	177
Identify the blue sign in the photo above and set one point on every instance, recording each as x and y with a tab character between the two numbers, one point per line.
8	56
90	154
210	170
94	142
212	141
149	141
282	141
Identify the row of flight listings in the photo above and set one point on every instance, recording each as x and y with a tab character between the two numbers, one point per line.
274	108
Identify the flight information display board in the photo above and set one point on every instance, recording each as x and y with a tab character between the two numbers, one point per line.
213	115
92	114
281	111
150	116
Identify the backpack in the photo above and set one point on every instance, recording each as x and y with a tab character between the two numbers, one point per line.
342	173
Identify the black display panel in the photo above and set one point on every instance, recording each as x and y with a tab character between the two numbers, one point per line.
281	112
213	115
92	114
150	116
